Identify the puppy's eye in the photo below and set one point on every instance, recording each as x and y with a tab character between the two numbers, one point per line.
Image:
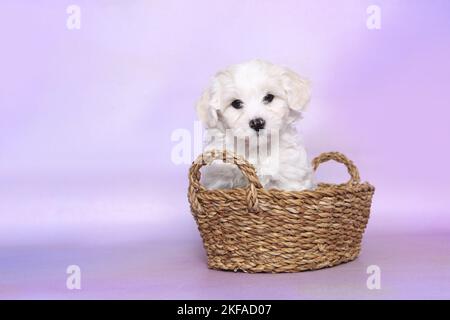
268	98
237	104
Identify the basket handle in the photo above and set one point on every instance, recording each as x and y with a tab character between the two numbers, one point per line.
338	157
244	166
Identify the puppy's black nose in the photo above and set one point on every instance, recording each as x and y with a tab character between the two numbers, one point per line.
257	124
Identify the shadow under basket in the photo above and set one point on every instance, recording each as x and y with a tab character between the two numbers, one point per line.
252	229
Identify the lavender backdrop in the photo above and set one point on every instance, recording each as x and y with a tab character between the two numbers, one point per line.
86	116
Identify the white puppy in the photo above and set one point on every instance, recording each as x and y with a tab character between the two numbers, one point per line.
251	109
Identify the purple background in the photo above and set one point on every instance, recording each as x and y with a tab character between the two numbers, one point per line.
86	118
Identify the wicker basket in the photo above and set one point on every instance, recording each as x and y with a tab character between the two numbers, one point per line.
257	230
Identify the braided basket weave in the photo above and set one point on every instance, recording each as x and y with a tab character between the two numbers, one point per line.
257	230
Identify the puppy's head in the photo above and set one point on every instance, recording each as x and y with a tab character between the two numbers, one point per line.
253	97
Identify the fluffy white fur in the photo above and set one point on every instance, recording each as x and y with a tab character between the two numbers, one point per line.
226	126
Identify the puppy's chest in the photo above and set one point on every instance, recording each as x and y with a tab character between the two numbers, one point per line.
266	166
267	169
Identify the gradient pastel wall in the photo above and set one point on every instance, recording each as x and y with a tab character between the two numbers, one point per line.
86	116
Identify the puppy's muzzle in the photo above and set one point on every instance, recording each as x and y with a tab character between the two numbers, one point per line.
257	124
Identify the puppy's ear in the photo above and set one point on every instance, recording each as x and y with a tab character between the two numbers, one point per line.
206	110
298	90
210	102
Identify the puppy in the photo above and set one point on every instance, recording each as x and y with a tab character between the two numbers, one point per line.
251	109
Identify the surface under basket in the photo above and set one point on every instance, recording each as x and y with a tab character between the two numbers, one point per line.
257	230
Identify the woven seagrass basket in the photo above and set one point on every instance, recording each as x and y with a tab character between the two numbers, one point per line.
257	230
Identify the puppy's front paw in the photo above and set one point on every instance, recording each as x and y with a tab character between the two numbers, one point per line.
219	175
